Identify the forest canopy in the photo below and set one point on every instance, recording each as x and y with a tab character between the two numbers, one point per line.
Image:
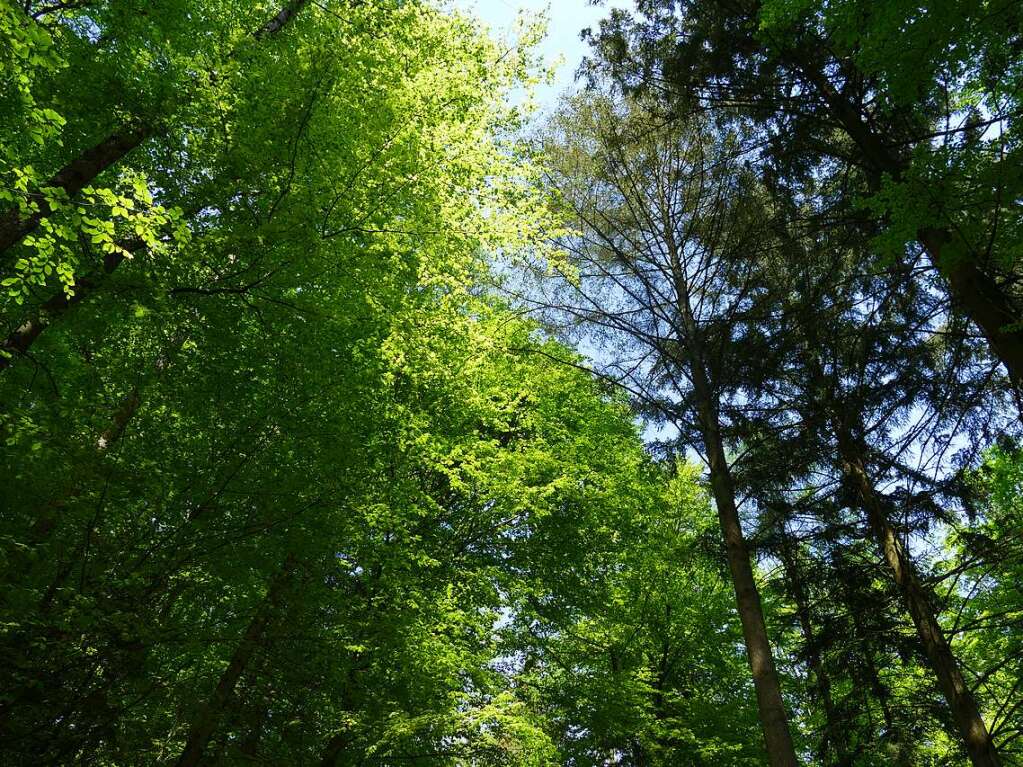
352	413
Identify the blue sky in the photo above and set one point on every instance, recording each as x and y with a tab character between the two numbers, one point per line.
566	18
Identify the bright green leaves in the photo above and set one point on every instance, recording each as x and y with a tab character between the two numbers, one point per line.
778	16
101	223
627	627
305	368
26	52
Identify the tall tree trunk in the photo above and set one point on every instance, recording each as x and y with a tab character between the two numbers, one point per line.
340	747
771	706
880	692
281	20
834	738
249	746
852	454
984	302
212	712
773	717
965	711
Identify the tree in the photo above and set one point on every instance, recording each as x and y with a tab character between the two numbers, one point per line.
867	357
915	107
665	223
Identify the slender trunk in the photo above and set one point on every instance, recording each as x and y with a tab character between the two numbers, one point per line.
125	412
335	748
992	309
877	688
249	746
773	717
852	456
46	522
965	711
108	438
771	706
834	737
212	712
72	178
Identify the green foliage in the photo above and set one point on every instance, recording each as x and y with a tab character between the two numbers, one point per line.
616	654
278	470
285	481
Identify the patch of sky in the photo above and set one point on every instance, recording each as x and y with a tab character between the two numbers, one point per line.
562	49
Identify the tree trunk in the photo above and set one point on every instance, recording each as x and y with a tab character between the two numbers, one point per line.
212	712
875	684
125	412
773	717
21	339
281	20
335	747
73	178
965	712
249	746
770	704
990	308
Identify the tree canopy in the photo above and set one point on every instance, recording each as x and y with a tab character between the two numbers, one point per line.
351	413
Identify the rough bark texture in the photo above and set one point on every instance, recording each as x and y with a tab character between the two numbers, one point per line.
335	747
773	717
982	299
965	711
770	704
122	417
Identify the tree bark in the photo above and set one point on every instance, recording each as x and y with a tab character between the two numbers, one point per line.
73	178
335	747
992	309
891	733
281	20
853	464
965	712
125	412
773	717
771	706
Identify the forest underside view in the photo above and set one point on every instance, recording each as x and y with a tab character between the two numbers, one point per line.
357	411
